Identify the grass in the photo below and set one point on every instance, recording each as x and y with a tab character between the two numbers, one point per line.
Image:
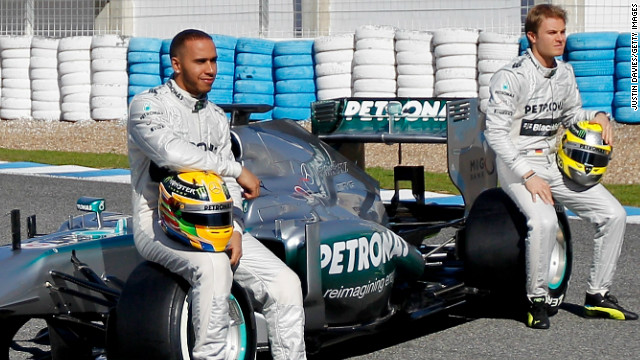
628	195
437	182
102	161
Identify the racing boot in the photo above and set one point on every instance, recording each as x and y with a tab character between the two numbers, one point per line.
537	317
599	306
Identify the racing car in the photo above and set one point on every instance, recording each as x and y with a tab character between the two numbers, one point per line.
362	260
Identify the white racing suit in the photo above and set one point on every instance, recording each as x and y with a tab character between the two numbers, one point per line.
168	129
527	105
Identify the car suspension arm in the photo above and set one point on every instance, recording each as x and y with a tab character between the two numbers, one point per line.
93	283
65	290
108	292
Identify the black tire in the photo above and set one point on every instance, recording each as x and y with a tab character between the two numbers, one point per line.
150	321
8	329
492	247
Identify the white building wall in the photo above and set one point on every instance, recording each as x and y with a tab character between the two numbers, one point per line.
277	18
609	15
164	18
596	15
280	19
490	15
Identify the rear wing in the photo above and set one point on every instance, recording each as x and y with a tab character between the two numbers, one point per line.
399	120
348	123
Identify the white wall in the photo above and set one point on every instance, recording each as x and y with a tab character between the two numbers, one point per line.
164	18
610	15
492	15
596	15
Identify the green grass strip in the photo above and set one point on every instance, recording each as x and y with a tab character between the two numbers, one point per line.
101	161
437	182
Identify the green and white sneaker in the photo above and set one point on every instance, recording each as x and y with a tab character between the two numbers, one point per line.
599	306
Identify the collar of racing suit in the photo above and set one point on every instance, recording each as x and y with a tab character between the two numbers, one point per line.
545	71
194	103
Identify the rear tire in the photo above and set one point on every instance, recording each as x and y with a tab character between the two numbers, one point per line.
152	319
493	249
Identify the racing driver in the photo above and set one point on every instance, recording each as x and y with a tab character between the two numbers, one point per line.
529	99
173	127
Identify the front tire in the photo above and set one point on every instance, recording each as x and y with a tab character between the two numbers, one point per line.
492	246
153	319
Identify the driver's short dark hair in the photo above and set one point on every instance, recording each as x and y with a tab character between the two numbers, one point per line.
183	36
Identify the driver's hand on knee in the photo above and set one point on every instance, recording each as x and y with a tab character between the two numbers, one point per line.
234	248
537	186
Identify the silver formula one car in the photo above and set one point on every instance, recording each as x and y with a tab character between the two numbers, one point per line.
362	260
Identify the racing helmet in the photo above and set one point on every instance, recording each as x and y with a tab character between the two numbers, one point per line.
583	156
196	209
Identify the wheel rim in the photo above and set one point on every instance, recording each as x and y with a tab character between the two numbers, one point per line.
558	262
236	336
185	327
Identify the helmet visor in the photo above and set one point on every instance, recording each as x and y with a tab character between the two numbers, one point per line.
587	157
208	219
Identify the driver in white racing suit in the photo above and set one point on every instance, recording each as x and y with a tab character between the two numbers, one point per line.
174	128
531	97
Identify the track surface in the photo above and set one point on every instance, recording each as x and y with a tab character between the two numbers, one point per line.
462	335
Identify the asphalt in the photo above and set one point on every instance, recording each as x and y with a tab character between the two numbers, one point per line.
123	176
460	334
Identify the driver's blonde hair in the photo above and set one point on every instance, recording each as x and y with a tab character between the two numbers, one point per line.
541	12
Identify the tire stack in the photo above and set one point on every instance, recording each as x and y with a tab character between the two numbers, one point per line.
295	87
622	110
333	56
415	67
456	53
166	69
143	58
109	78
222	89
374	62
15	100
257	55
74	71
43	73
494	51
592	55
